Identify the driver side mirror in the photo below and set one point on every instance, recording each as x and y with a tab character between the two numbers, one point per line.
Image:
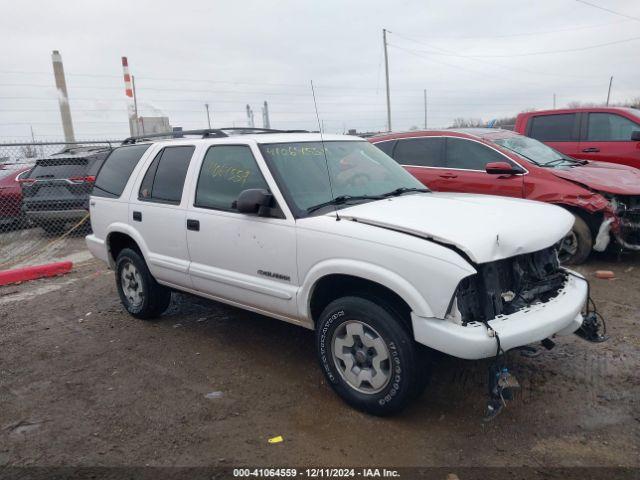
254	201
635	136
502	168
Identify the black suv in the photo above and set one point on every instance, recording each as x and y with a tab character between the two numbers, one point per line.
56	190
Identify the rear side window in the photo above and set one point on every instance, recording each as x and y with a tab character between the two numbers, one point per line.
608	127
226	171
470	155
386	147
116	169
554	128
164	179
423	152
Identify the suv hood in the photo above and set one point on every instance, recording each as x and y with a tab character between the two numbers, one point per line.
485	227
603	177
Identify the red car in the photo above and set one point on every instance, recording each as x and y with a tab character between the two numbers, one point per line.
11	194
603	197
608	134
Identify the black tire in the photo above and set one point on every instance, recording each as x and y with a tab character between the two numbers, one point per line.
155	298
406	364
581	241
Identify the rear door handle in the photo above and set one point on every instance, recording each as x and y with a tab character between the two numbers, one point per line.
137	216
193	225
591	150
448	175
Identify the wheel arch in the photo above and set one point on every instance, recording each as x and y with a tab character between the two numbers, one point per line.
335	279
120	237
592	219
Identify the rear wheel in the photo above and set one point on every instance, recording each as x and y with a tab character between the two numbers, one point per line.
575	248
139	292
368	356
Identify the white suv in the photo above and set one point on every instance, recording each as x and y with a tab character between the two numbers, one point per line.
329	233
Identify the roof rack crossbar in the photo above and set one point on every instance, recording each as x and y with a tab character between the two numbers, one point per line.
207	133
260	130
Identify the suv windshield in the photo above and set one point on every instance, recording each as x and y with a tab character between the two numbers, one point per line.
357	172
535	151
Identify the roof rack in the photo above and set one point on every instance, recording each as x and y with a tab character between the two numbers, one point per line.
207	133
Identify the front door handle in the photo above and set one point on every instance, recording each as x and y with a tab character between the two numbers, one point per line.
591	150
137	216
193	225
448	175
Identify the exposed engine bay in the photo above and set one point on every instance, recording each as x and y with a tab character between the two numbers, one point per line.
627	209
506	286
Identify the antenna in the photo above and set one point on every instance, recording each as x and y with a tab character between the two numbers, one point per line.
324	151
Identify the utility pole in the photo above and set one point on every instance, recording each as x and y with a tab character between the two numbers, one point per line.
386	71
425	108
63	96
554	101
609	91
206	105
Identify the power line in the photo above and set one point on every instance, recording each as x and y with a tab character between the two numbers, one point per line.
609	10
528	54
499	65
521	34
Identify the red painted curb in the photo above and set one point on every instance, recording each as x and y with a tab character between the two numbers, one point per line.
31	273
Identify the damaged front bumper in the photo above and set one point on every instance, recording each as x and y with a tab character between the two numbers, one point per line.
561	315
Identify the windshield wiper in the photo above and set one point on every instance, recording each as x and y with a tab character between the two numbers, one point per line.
401	190
340	199
557	161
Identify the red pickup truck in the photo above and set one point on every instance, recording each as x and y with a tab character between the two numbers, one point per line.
607	134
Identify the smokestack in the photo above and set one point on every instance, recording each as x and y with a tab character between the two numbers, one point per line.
128	91
265	116
250	122
63	97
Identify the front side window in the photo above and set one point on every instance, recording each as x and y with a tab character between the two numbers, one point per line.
470	155
164	180
422	152
311	173
226	171
609	127
116	170
554	128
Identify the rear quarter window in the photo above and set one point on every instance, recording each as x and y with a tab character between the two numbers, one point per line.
116	170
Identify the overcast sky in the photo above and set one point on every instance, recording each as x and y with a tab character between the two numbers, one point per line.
482	59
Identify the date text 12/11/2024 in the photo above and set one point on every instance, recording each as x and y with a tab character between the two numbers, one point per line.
315	473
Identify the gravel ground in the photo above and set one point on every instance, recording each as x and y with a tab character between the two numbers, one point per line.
82	383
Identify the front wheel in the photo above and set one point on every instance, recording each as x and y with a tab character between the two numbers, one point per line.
368	356
575	248
139	292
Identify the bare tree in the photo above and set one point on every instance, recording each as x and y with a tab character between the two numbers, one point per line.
461	122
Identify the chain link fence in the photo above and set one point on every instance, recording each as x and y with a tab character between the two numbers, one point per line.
44	200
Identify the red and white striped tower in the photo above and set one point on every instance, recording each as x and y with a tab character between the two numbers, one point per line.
128	90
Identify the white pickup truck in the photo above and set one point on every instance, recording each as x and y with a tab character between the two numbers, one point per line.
329	233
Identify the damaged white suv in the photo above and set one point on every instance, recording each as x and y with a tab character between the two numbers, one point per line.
333	235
